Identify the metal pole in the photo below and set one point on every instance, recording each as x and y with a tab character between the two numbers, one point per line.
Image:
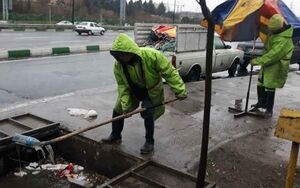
49	13
3	9
208	86
174	14
73	13
122	12
7	9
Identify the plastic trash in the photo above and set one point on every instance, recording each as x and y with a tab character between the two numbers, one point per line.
35	172
77	169
33	166
66	171
20	173
80	180
52	167
25	140
91	113
82	112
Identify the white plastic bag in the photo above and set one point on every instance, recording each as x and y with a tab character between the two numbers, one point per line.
82	112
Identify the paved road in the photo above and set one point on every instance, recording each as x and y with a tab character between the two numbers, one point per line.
30	79
21	40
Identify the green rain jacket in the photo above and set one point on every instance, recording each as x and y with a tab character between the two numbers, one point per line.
155	66
276	59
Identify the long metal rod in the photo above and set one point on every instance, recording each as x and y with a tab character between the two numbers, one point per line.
208	86
123	116
251	74
249	87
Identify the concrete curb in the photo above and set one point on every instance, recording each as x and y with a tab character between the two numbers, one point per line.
43	52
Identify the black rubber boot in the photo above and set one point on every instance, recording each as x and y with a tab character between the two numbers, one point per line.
111	140
242	72
270	103
117	127
149	126
149	135
261	98
147	148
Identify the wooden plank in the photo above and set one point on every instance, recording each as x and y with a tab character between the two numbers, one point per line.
288	125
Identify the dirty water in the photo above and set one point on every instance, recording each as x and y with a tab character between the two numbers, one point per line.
50	153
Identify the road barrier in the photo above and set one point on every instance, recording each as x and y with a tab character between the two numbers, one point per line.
53	27
60	50
18	53
94	48
42	52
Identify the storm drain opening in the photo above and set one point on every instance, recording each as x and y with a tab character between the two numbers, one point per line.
95	163
79	162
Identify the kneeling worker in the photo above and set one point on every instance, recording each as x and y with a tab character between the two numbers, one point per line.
139	72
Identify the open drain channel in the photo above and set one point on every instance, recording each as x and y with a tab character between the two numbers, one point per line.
106	166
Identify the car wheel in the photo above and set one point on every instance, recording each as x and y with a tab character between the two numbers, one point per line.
233	68
79	33
101	32
90	33
194	74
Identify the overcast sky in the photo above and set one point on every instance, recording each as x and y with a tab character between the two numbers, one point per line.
191	5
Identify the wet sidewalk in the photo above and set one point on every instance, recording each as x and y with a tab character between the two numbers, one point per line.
242	152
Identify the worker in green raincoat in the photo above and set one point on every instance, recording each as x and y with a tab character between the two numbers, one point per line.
139	72
274	63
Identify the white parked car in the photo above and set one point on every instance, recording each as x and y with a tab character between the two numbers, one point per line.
64	22
189	56
90	28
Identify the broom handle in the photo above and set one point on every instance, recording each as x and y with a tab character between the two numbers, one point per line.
123	116
250	78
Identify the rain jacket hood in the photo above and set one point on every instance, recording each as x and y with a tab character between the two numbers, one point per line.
125	44
276	22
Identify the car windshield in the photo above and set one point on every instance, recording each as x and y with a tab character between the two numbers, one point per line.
83	23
